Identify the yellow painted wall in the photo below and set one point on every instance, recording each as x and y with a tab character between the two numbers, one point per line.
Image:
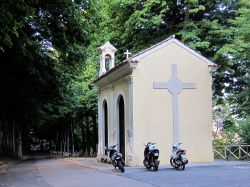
153	119
119	88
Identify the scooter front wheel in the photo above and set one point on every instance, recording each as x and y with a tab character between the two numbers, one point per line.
182	167
121	167
155	166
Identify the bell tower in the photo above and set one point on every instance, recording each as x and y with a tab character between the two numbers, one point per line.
107	57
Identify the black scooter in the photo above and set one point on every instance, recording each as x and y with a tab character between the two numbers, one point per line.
116	158
151	155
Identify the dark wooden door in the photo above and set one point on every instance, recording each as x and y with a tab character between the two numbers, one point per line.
122	126
105	108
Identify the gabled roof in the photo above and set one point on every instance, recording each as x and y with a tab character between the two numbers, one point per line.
139	56
144	53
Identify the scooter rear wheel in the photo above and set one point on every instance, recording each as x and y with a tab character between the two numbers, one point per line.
172	162
145	163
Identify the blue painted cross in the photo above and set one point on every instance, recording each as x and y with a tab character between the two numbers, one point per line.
174	86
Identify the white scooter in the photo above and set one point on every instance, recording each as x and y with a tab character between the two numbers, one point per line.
178	159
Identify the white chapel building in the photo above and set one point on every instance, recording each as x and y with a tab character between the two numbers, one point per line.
163	94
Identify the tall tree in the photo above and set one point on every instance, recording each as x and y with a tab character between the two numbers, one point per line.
43	43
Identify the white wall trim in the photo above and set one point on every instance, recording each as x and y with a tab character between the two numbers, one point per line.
111	117
130	128
99	105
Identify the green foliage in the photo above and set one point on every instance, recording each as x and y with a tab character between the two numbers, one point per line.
224	140
223	118
13	17
244	130
49	58
236	54
43	61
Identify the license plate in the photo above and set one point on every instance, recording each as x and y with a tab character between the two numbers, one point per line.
156	154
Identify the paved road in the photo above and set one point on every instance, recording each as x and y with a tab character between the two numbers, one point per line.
214	175
58	172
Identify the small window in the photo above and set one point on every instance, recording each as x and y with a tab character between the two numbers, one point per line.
107	62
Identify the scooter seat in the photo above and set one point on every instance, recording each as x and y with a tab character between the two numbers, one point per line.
181	150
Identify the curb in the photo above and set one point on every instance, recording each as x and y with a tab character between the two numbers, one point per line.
113	171
4	167
88	166
8	163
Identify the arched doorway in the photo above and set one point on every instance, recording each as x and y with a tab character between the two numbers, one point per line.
105	117
121	113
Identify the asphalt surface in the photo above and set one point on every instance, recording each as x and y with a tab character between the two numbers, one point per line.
214	175
43	172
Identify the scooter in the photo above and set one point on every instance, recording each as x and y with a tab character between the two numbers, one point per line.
116	158
178	159
151	155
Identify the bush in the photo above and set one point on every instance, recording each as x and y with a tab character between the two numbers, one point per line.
244	130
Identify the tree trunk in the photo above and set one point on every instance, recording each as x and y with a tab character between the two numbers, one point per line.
1	137
64	141
87	133
187	15
19	144
67	135
61	144
95	132
72	137
83	135
13	140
